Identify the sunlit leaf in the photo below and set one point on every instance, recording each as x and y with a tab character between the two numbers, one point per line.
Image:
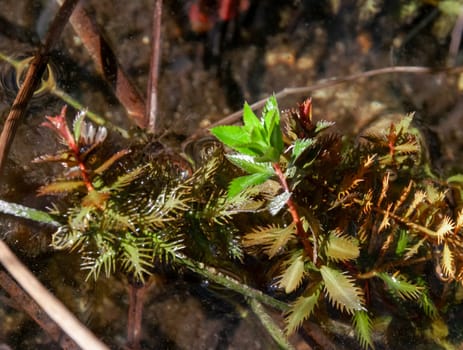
398	285
445	227
249	164
271	238
278	203
301	310
300	145
250	120
271	116
341	248
363	328
241	183
293	272
234	137
341	290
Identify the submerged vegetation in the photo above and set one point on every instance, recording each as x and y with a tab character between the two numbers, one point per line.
340	229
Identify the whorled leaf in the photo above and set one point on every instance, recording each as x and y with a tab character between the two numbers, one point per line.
301	310
341	247
293	273
136	256
165	207
342	291
104	259
272	238
399	286
163	250
363	328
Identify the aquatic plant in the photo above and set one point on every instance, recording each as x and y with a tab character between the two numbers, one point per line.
367	219
335	224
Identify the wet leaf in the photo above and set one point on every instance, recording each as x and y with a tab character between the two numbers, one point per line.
24	212
398	285
341	290
301	310
278	203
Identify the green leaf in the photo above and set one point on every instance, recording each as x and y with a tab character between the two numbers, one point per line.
234	137
300	145
399	286
427	304
241	183
363	328
24	212
250	165
77	125
322	125
342	248
301	310
456	178
271	116
402	242
250	119
294	272
136	256
342	291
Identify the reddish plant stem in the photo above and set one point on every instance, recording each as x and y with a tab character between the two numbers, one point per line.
137	293
302	234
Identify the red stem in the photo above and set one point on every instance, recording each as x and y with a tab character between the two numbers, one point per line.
302	234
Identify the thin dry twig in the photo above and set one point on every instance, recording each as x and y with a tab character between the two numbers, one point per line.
330	82
152	95
32	79
107	63
22	301
52	306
